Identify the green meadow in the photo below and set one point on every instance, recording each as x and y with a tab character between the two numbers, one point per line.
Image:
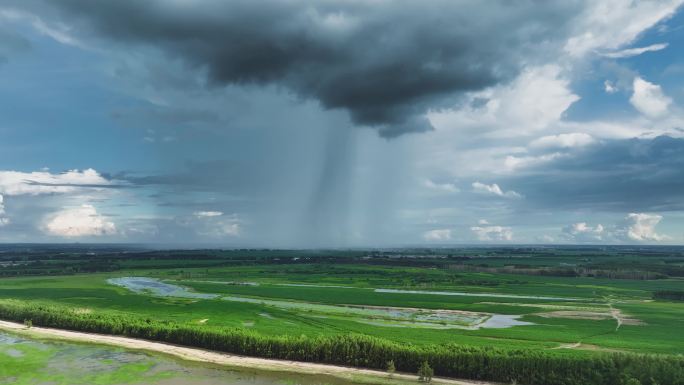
329	299
588	316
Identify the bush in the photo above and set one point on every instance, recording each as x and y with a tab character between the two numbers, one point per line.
390	367
425	372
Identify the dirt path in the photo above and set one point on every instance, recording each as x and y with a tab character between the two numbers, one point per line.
200	355
615	313
568	346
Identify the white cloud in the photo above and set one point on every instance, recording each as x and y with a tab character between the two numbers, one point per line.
3	219
582	232
483	222
80	221
492	233
494	189
443	187
512	163
649	98
230	229
437	235
44	182
612	24
57	31
640	227
206	214
630	52
535	99
213	224
575	139
610	87
635	227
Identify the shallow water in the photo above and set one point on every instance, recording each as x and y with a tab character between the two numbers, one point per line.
502	321
156	287
374	315
464	294
26	361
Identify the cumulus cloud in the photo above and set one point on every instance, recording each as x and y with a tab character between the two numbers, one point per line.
610	87
83	221
582	232
494	189
346	55
3	219
492	233
44	182
221	229
70	183
437	235
443	187
635	227
535	99
212	224
575	139
649	99
232	229
640	227
630	52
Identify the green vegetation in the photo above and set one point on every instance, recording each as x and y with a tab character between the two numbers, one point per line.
488	314
359	350
391	369
29	363
425	372
673	295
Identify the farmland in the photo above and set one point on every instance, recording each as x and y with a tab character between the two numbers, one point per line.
418	300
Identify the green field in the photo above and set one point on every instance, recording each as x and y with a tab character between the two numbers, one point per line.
289	300
426	305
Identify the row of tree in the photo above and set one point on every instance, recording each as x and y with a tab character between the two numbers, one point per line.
672	295
477	363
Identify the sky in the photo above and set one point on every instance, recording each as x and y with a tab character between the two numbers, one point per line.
342	123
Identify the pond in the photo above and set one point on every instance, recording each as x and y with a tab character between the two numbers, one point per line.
385	316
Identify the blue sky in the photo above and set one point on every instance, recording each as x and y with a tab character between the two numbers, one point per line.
305	124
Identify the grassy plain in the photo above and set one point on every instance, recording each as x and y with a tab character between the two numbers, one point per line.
578	312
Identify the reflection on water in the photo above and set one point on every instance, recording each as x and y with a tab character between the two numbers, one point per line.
385	316
32	362
156	287
464	294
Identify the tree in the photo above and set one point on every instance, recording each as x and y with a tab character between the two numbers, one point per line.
425	372
390	367
633	381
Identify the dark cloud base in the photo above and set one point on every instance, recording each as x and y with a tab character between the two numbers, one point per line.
386	63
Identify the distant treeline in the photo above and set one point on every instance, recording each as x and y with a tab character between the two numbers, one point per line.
672	295
468	362
589	264
615	273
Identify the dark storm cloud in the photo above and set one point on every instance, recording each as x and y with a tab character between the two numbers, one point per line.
385	62
622	175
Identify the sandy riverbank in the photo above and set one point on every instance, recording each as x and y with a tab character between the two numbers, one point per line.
200	355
